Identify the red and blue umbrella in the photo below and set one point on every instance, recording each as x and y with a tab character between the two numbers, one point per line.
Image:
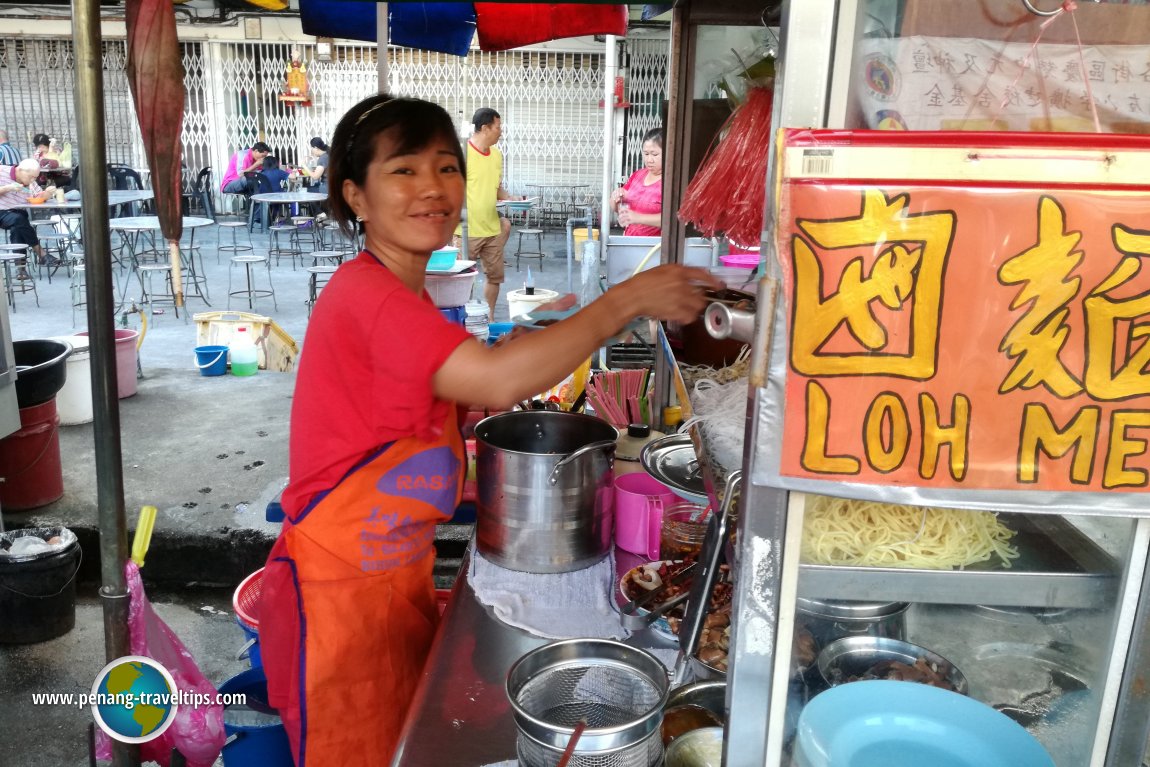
449	27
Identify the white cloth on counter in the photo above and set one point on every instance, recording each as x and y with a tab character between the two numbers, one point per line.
550	605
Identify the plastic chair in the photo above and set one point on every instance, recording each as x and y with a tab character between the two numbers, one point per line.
123	177
200	193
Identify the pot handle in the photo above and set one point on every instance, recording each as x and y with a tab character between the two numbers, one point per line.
607	443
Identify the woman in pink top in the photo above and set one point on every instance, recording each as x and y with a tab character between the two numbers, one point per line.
639	202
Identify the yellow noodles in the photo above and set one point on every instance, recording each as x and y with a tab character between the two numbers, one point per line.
841	531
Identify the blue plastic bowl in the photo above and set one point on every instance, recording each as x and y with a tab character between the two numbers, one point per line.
879	723
442	260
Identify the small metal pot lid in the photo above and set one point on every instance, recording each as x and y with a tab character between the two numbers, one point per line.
840	609
672	461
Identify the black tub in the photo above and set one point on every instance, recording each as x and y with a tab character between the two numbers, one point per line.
40	370
38	593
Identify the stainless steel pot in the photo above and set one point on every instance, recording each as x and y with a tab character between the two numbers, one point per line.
831	619
545	490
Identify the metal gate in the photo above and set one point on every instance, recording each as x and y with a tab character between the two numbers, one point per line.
549	100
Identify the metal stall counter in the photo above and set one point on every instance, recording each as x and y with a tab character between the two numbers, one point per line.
461	714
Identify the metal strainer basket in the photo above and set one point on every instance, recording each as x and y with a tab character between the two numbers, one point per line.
618	690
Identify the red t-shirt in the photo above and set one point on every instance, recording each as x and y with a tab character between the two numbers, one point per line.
643	199
364	377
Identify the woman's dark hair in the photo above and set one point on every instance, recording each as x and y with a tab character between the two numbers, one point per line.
41	139
271	162
656	135
317	142
416	123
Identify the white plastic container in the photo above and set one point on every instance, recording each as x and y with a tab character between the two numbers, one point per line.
74	400
242	353
518	302
447	290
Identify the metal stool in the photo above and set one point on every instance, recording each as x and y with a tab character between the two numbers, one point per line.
55	246
537	253
234	248
305	228
21	282
276	247
250	292
78	287
149	295
192	270
318	277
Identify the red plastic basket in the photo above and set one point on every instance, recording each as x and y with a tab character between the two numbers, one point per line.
246	600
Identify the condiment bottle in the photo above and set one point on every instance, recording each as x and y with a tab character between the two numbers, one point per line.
629	446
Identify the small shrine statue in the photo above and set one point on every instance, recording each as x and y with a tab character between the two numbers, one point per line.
295	89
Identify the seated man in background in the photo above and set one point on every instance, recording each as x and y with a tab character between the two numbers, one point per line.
244	161
9	155
17	185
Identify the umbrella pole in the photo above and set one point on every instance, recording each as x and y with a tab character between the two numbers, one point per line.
101	326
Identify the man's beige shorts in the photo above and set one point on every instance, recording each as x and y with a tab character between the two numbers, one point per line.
489	252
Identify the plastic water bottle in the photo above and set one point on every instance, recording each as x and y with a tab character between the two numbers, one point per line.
242	353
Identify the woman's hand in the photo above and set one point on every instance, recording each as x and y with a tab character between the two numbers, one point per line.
668	292
617	197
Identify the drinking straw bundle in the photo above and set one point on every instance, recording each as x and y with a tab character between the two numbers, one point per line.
620	396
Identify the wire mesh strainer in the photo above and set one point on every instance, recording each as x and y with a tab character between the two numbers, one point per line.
618	690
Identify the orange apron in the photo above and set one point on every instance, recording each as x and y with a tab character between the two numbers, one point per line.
348	608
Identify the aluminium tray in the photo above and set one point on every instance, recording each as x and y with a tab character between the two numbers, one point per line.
1058	566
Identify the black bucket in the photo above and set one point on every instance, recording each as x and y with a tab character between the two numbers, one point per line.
38	594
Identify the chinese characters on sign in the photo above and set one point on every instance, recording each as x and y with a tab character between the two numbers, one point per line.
948	336
945	83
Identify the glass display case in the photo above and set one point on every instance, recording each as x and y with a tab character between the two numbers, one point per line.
1055	637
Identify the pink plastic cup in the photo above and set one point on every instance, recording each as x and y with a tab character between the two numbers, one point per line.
639	502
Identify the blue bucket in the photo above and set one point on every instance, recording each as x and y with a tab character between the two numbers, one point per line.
251	647
212	360
256	734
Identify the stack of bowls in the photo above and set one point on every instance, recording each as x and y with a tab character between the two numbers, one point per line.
476	320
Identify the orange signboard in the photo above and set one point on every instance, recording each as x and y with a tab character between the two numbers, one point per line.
990	336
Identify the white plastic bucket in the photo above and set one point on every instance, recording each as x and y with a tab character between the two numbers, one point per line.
518	302
74	400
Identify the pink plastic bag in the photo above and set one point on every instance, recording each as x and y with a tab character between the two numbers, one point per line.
198	732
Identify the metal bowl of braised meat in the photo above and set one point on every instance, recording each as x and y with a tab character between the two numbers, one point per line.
855	659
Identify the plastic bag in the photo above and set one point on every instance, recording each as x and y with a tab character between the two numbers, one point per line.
198	731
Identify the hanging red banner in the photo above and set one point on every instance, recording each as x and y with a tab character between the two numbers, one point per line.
966	311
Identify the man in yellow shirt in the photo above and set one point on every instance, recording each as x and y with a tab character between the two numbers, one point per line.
487	231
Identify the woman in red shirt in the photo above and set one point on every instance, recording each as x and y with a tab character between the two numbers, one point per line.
639	202
348	612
